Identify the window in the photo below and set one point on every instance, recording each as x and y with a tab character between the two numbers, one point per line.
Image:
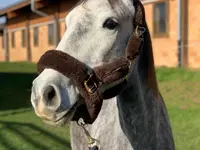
160	14
23	35
51	34
35	38
13	39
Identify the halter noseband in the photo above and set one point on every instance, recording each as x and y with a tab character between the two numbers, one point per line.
99	83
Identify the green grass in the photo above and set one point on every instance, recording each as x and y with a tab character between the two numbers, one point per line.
21	129
17	67
180	89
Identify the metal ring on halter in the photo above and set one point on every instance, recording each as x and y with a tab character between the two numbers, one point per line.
81	122
92	143
139	31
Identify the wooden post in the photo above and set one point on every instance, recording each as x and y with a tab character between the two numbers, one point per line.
184	30
6	44
28	45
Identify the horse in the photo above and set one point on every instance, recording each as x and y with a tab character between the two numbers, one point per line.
98	32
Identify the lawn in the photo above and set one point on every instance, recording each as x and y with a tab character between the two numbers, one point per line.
20	129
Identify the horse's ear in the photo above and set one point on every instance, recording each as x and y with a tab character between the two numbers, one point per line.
132	49
139	18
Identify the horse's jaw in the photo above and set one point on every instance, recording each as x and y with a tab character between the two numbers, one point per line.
64	119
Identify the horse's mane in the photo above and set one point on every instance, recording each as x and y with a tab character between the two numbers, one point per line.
146	63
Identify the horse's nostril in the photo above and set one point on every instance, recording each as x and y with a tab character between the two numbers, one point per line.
50	96
49	93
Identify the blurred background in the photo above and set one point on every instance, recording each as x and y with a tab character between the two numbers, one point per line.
29	28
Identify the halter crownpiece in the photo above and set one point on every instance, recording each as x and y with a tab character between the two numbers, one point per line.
102	82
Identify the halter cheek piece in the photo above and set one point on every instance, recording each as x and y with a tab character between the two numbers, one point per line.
101	82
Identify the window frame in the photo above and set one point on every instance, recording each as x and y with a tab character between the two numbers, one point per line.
23	38
51	41
13	39
36	36
155	31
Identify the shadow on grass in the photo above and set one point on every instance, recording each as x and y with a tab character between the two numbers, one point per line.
4	114
15	90
28	138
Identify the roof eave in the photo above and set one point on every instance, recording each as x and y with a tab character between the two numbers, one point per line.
15	6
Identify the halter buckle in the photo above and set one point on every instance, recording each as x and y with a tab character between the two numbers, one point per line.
90	84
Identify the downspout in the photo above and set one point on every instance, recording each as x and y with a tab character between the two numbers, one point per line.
40	13
179	38
28	26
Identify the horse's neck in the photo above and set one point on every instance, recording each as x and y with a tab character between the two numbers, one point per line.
143	115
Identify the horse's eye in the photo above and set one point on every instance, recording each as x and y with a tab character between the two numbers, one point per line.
110	24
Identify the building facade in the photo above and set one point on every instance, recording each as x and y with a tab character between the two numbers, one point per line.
26	35
162	18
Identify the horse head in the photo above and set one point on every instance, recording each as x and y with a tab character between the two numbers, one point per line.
97	32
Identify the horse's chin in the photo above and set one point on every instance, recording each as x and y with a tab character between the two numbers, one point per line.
65	119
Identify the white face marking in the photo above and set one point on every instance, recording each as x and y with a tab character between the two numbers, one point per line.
87	40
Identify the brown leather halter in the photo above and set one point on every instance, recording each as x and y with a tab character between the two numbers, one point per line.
92	83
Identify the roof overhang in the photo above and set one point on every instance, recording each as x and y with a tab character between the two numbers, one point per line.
13	9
